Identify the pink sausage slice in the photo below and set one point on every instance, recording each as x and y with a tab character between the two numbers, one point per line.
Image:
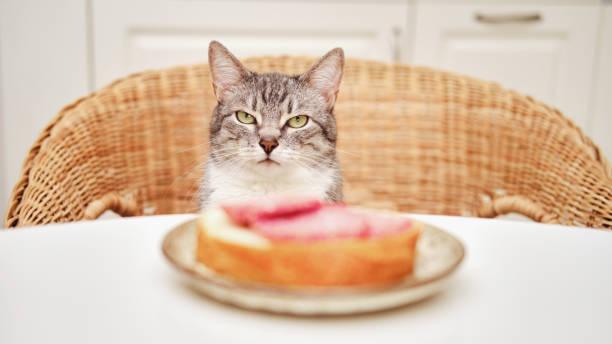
301	218
330	221
245	213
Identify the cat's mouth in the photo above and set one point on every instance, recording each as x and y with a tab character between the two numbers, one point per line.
267	162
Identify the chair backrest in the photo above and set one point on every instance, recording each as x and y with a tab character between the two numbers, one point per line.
412	139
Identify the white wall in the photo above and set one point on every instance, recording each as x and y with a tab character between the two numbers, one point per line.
3	190
602	114
41	42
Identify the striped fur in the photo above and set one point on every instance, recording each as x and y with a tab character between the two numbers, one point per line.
305	160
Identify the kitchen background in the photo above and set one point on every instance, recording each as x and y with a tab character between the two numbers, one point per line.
53	52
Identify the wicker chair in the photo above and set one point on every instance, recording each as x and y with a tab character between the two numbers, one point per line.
412	139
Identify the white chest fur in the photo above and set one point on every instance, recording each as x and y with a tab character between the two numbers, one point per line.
228	184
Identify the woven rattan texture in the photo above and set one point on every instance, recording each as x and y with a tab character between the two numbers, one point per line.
412	139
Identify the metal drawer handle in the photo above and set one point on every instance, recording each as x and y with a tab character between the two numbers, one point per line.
508	18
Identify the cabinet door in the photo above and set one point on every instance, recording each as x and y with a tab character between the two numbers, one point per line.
545	51
134	35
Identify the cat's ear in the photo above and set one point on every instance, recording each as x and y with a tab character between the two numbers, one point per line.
225	70
325	75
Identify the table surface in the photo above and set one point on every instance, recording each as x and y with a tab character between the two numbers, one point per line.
106	281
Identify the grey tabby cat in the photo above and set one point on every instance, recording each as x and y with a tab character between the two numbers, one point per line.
272	133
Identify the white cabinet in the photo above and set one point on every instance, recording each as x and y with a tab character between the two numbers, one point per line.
130	36
546	51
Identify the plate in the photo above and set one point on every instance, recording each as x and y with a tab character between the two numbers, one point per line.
438	256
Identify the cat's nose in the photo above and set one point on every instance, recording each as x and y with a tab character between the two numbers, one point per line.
268	146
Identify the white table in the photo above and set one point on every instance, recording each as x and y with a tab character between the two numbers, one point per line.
107	282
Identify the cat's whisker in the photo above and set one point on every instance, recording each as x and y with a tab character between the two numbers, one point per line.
232	161
191	148
295	159
188	174
190	171
344	151
221	152
222	157
318	162
204	143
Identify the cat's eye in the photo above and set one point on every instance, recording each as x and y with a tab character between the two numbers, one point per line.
244	117
297	121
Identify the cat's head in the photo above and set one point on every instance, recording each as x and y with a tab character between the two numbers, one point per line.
267	122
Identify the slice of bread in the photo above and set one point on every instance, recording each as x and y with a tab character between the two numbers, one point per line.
382	254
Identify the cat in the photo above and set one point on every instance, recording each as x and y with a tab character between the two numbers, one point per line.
272	133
